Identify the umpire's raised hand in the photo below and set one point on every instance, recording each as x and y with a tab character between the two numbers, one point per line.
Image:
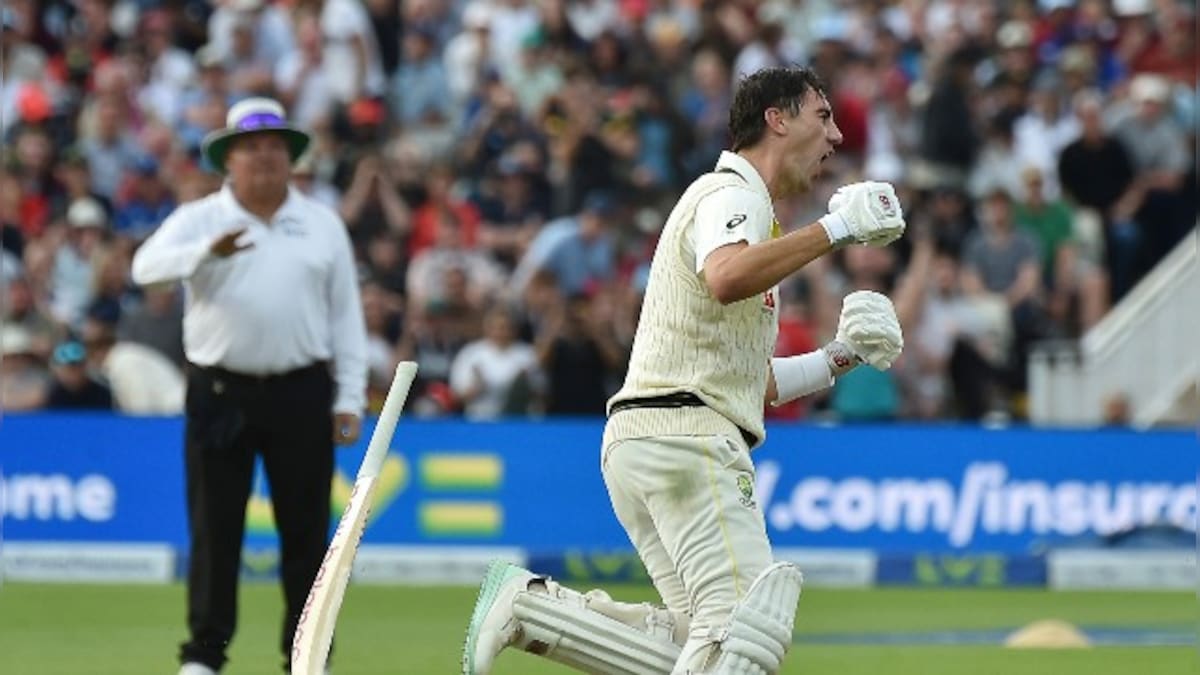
227	244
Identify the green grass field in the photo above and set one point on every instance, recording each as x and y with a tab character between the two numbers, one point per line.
133	630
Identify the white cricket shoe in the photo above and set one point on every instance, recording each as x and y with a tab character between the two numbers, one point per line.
493	626
193	668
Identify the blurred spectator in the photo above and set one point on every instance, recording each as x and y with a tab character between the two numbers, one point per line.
496	375
705	105
537	76
466	56
949	141
388	22
956	346
421	92
250	71
440	197
579	250
36	190
1097	174
663	138
512	213
381	315
511	21
113	292
308	179
73	270
371	204
24	380
433	338
157	322
1078	293
73	387
142	380
385	263
1161	158
577	351
999	164
110	147
300	77
270	30
144	203
351	57
867	397
1040	134
507	114
590	18
769	49
74	174
21	63
1001	260
170	69
429	271
204	103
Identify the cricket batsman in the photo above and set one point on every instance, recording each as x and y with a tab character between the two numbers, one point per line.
676	449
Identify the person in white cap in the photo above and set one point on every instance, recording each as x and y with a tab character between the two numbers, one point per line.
71	280
276	345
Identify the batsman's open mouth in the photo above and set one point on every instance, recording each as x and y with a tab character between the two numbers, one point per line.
821	164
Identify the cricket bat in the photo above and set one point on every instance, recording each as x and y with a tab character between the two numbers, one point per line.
314	632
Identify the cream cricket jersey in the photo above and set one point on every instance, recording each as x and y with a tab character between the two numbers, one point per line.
287	302
686	341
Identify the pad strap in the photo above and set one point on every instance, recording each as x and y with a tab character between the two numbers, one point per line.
594	634
760	629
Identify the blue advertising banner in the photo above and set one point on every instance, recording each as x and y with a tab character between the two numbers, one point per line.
537	486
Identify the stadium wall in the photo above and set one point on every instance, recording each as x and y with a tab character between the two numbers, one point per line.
100	498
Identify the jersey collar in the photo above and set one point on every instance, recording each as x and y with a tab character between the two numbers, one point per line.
290	206
735	162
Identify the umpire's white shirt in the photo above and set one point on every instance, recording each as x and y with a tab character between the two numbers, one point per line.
288	301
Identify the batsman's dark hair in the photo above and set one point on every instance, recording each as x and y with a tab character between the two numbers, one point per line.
782	88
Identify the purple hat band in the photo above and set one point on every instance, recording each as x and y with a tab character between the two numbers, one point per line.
263	120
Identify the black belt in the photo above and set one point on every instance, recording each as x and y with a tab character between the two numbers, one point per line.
683	399
234	377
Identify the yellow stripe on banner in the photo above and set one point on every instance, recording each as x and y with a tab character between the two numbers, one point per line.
461	518
716	496
461	471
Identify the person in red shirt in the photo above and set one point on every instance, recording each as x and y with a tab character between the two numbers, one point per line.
440	197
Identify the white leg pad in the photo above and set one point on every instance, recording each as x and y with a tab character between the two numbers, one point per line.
596	635
760	629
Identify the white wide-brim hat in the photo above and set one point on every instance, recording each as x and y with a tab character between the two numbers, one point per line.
252	116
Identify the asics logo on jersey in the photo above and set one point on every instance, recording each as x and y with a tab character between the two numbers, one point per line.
736	220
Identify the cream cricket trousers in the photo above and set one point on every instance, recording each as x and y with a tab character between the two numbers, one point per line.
687	503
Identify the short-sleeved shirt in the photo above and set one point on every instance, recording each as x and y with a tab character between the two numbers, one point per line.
997	261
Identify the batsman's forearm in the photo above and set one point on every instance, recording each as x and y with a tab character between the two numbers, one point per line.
791	377
759	267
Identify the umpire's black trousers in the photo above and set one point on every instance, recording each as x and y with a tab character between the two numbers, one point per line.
231	418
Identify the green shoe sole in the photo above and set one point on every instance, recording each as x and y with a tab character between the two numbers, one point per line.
498	573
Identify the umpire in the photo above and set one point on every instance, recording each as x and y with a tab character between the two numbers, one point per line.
274	335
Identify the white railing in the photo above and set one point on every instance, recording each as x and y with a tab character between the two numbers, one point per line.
1145	351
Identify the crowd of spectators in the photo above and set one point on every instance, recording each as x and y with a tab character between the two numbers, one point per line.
504	167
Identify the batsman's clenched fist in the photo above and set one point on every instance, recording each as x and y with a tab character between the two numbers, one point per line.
864	213
869	328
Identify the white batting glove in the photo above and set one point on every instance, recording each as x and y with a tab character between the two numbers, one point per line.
864	213
870	329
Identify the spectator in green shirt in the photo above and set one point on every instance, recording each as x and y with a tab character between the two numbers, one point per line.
1078	292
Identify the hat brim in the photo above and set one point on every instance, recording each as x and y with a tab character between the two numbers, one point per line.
216	144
